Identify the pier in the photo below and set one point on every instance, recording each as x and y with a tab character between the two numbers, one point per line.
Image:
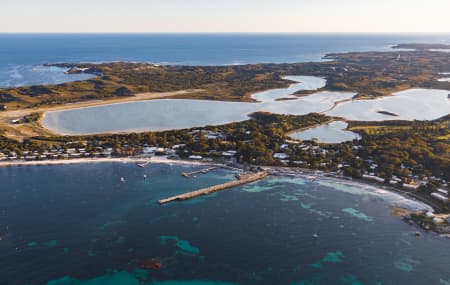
243	179
202	171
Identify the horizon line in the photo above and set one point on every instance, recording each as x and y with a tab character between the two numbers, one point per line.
231	32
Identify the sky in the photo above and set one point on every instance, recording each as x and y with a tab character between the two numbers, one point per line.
294	16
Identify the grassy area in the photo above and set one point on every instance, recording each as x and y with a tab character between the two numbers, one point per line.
440	126
369	74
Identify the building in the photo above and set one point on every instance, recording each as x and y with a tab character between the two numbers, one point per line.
442	192
195	157
149	150
178	146
281	156
438	221
284	146
373	178
410	186
161	151
229	153
439	197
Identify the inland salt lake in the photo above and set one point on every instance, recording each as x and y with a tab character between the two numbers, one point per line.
77	224
167	114
333	132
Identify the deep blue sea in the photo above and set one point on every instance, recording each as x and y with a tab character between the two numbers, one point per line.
21	55
79	225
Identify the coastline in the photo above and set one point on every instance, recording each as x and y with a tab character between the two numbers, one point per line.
330	176
274	171
158	160
406	211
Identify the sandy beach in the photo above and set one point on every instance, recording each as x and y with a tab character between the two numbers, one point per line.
8	115
100	160
19	131
277	171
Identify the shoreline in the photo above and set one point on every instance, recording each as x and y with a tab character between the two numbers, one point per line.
159	160
40	129
410	94
332	119
305	172
274	171
145	96
370	188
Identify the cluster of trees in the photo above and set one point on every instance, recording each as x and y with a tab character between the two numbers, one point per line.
405	153
404	147
401	149
8	145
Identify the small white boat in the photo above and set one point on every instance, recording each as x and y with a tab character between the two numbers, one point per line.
143	164
315	235
145	176
122	179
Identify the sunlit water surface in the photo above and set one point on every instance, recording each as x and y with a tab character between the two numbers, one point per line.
22	55
333	132
167	114
77	224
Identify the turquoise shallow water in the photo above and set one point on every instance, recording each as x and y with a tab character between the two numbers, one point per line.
77	224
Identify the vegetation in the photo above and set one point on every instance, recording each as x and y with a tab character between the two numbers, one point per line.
417	150
398	148
370	74
422	46
402	154
406	150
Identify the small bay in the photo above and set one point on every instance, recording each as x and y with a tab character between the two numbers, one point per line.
87	227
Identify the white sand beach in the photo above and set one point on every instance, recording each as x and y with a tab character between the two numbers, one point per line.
164	160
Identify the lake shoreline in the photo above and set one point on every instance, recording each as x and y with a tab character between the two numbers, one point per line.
6	116
333	104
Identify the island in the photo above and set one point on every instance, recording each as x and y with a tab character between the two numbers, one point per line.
412	157
387	113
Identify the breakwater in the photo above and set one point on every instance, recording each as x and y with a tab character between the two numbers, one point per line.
243	179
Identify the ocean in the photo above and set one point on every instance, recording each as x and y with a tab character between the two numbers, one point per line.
22	55
78	224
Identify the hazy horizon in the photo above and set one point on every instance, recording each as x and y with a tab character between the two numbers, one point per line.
233	16
225	33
